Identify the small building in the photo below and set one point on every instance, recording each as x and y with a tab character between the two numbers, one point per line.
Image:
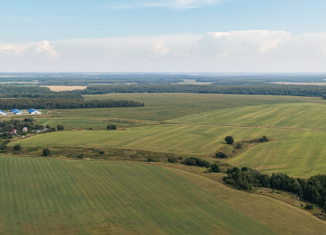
34	111
18	112
3	112
14	131
24	129
15	110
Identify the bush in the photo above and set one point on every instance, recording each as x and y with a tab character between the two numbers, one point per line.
238	145
46	152
172	159
111	127
101	152
221	155
150	159
60	128
309	207
215	168
18	147
80	156
229	140
193	161
263	139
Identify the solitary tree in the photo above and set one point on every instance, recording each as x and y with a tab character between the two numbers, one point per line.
17	147
46	152
229	140
215	168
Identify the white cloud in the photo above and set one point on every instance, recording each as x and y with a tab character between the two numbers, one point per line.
12	50
244	43
160	48
236	51
45	48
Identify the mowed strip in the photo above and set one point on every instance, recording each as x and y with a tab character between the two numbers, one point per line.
298	115
183	139
295	152
51	196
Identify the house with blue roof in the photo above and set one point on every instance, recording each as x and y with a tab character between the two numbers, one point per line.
3	112
34	111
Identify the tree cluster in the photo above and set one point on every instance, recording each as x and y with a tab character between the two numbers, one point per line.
111	127
312	190
263	89
194	161
64	103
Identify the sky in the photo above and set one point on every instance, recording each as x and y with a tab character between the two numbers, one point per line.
163	36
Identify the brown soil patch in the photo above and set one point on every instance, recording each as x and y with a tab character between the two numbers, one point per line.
66	88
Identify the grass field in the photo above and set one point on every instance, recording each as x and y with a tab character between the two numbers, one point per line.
48	196
299	115
161	107
51	196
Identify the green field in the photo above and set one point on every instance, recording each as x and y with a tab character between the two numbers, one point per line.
46	196
295	152
185	139
299	115
51	196
160	107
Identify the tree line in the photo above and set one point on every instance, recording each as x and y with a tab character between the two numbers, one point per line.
4	89
57	95
268	89
312	189
64	103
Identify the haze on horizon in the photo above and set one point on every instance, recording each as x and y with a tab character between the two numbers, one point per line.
163	36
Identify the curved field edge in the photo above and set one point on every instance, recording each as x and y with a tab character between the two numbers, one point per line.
281	217
51	196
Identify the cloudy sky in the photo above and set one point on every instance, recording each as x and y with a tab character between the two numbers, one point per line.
163	36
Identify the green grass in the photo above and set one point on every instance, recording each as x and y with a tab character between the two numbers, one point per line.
183	139
160	107
299	115
93	123
50	196
295	152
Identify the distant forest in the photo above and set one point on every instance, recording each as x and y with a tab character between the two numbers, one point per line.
289	90
60	103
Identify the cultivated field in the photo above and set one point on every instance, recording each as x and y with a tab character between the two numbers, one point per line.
66	88
46	196
50	196
296	123
298	115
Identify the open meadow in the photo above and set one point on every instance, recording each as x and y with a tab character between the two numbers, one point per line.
52	196
297	125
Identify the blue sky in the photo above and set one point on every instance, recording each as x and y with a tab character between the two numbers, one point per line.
163	35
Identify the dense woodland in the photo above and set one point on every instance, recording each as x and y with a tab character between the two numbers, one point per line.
64	103
290	90
23	89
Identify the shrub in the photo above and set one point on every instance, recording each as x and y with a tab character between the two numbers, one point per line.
229	140
309	207
111	127
46	152
101	152
80	156
193	161
150	159
244	169
60	128
172	159
215	168
263	139
17	147
238	145
221	155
